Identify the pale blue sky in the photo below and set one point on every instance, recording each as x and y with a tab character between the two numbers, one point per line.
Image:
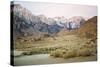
55	9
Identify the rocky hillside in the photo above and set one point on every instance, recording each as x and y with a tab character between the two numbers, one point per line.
26	24
89	28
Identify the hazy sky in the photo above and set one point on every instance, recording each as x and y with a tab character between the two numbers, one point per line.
55	9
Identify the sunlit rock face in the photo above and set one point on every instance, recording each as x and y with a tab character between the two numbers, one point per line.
72	23
77	21
27	24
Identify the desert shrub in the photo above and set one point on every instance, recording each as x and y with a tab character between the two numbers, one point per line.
70	53
37	39
65	53
93	51
73	52
89	44
57	53
25	53
31	52
88	34
84	52
37	51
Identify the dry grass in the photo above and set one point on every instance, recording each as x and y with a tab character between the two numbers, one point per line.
58	53
65	47
84	52
86	49
89	29
73	53
70	54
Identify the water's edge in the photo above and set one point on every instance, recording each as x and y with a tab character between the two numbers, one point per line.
46	59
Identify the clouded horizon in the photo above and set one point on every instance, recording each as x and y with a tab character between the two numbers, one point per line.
56	9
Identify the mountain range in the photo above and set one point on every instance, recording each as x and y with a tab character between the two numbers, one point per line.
27	24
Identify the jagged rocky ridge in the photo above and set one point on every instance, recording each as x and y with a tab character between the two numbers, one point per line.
27	24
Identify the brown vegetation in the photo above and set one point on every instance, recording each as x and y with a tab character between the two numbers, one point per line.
89	29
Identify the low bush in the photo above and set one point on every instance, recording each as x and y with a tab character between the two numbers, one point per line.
73	52
70	53
84	52
57	53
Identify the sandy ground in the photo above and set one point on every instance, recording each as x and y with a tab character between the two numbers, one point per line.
69	40
61	41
